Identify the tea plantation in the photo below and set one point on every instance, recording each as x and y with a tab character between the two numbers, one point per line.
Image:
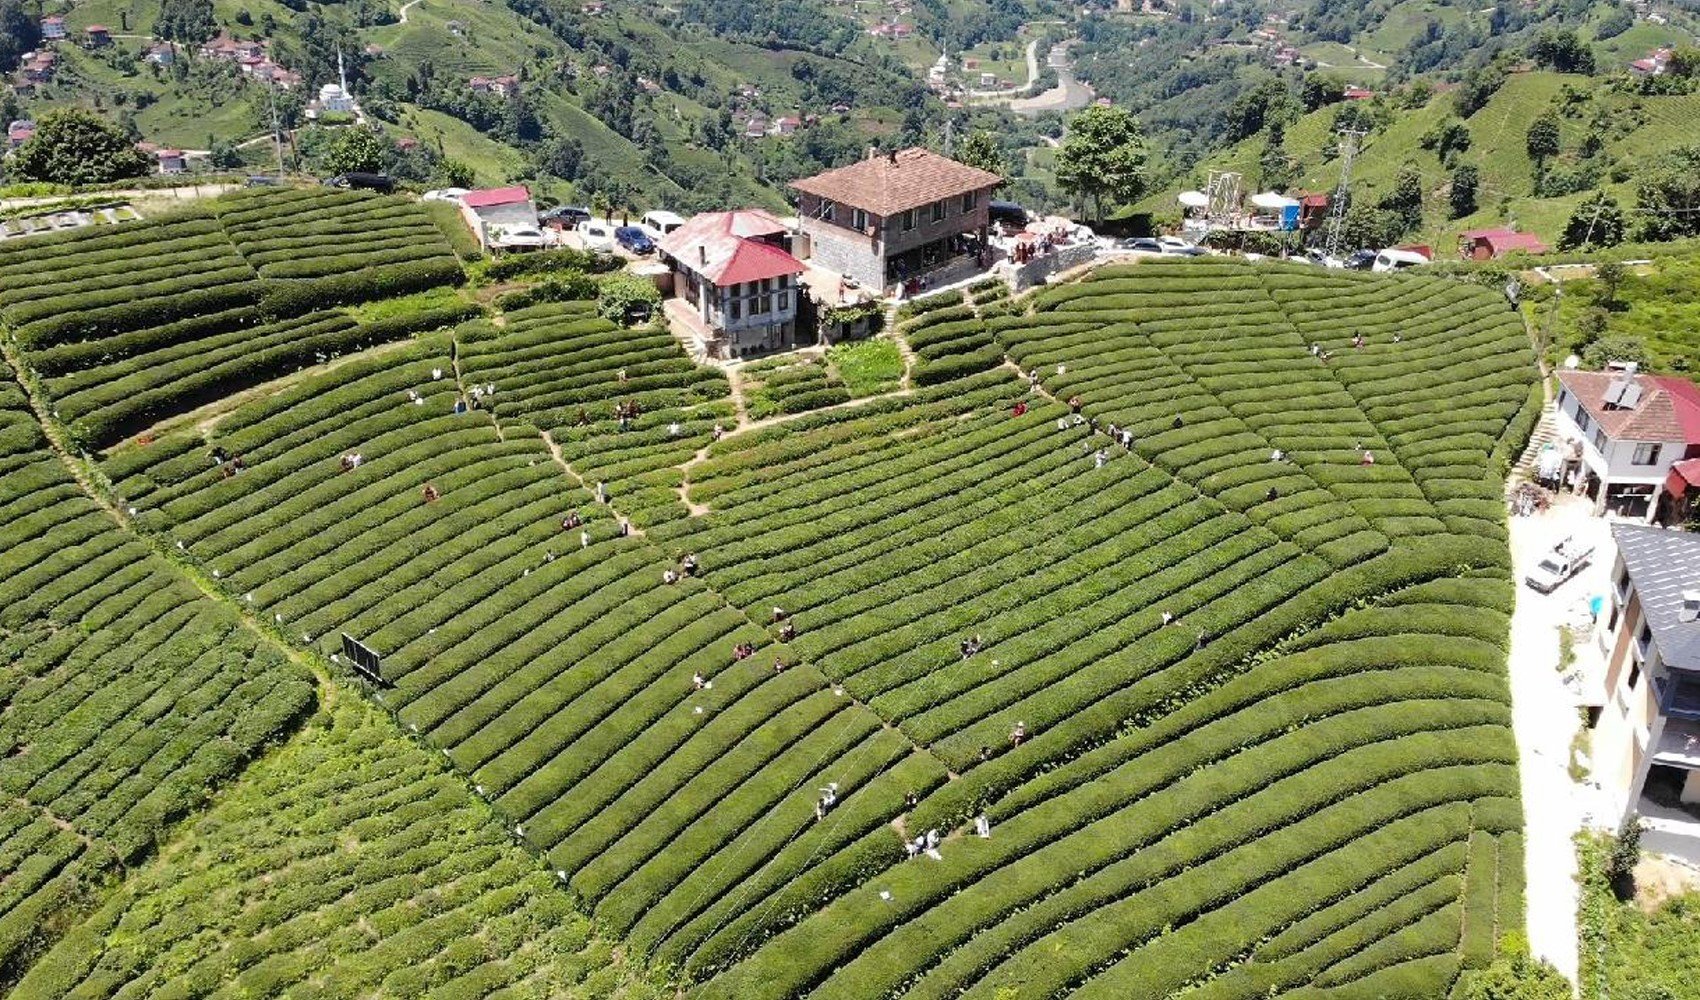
1220	661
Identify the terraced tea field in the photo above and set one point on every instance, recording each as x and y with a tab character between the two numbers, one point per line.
1237	724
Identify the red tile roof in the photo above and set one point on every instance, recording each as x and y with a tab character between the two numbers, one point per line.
727	247
886	185
1686	473
490	197
1501	243
1669	408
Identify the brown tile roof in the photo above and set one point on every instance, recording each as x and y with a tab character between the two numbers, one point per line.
1669	409
886	185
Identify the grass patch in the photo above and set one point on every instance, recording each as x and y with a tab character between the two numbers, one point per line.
867	367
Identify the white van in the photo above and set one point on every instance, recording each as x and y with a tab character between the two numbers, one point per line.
1397	260
597	235
659	223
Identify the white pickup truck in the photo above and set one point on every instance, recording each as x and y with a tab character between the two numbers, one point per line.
1566	559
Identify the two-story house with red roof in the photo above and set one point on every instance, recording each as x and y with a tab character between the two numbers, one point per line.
1624	432
740	282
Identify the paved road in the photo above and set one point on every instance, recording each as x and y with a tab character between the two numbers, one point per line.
1067	95
1543	716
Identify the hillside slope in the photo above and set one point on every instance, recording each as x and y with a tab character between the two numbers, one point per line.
1639	127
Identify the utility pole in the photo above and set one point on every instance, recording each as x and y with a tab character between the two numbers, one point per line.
949	137
277	133
1349	139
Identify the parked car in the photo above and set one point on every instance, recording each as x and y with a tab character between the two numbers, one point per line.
1140	244
565	217
1007	212
1397	260
634	239
262	180
596	235
1318	256
659	223
1360	260
444	194
1566	559
522	238
1176	245
367	182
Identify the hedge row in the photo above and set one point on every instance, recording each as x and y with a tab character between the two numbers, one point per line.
129	700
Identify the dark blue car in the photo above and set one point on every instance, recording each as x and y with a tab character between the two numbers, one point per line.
634	239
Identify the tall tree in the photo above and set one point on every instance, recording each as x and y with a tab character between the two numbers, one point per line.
75	146
982	149
1596	223
354	150
1542	139
1667	196
187	21
19	33
1466	181
1102	158
1406	198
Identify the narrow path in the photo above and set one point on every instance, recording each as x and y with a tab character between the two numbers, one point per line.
66	826
904	351
401	15
740	408
207	417
61	446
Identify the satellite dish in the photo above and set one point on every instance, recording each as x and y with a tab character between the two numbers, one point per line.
1194	199
1572	362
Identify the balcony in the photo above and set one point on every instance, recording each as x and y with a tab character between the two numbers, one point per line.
1679	744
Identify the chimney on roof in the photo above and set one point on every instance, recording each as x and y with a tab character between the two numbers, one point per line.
1690	606
702	253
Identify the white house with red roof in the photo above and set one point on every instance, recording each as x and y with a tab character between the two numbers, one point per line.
1625	431
733	270
492	211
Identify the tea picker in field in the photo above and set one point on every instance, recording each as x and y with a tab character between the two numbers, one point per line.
689	564
584	539
601	491
787	632
983	827
828	799
1018	735
431	493
571	521
669	577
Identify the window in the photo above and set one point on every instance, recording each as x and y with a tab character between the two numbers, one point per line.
859	219
969	200
1582	421
1600	440
1646	454
938	210
908	220
736	310
1634	674
828	210
1563	397
759	305
784	301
